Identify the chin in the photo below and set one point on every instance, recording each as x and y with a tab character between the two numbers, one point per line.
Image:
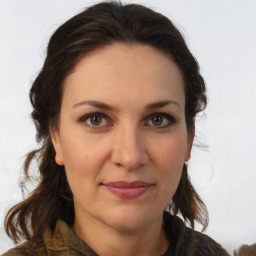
130	219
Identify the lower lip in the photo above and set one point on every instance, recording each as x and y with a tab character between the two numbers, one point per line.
128	193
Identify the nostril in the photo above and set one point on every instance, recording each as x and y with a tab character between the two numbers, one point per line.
118	165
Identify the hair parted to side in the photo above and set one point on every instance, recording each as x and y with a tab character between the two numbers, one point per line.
96	27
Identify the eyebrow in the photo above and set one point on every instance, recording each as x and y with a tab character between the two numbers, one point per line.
101	105
95	104
161	104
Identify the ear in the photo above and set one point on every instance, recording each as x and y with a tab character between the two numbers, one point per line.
190	139
57	146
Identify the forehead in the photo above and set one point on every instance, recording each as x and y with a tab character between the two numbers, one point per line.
124	72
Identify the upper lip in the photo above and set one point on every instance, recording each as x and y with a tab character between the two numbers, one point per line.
126	184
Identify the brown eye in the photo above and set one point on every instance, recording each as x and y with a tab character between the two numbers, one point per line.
160	120
157	120
95	120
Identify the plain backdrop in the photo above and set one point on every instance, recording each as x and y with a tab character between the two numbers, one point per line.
222	36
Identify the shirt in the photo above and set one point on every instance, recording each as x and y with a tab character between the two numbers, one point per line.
63	241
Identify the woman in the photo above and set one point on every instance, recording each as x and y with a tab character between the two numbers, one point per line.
114	107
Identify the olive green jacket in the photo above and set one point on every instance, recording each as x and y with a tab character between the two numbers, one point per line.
63	242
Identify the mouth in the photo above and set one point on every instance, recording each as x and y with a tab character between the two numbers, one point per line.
128	190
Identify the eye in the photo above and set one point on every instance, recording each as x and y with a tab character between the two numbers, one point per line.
95	120
157	120
160	120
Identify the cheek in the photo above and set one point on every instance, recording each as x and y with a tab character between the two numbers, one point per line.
83	156
83	163
169	160
170	153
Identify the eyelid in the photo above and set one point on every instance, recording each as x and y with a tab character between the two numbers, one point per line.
102	115
86	116
170	119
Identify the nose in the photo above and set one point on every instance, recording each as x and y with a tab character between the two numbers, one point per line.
129	150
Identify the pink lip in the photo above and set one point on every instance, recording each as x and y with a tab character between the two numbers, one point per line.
128	190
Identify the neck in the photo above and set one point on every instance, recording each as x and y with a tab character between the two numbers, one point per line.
108	241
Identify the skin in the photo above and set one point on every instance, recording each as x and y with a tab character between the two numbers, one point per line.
125	145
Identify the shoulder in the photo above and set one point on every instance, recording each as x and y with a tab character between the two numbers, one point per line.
15	252
29	248
205	245
187	241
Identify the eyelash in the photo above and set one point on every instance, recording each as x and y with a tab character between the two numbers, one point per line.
100	115
170	120
167	117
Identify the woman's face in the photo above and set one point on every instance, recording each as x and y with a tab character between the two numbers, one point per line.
122	135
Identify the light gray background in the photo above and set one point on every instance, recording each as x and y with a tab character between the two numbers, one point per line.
222	36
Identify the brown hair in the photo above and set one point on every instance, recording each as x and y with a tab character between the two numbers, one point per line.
246	250
95	27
